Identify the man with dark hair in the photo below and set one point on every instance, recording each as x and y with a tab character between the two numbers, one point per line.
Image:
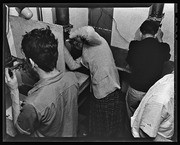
145	58
50	109
149	27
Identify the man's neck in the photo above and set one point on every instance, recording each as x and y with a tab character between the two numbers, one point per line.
44	75
147	36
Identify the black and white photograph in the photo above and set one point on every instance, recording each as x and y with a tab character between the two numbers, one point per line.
89	72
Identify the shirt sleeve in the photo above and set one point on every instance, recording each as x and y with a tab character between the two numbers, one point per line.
151	118
27	121
71	63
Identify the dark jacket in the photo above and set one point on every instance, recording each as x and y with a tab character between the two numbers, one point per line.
146	59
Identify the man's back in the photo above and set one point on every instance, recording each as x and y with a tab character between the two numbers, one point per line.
155	113
104	74
55	101
146	59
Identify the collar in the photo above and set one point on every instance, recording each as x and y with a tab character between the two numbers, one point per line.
46	81
150	38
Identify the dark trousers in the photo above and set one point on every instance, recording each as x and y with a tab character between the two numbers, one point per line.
106	118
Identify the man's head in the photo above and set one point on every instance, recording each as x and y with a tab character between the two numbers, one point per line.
149	27
85	36
41	46
77	42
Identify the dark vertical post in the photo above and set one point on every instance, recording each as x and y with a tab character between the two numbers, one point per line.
62	18
39	14
156	10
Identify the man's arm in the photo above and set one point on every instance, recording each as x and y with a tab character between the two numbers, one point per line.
159	35
144	135
13	86
71	63
166	47
15	104
25	119
151	119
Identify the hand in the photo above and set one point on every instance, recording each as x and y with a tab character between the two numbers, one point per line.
78	60
11	81
67	45
159	35
77	33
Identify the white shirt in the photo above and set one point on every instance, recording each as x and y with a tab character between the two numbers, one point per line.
99	59
155	113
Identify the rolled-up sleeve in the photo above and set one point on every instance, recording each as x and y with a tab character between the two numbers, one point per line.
151	118
27	121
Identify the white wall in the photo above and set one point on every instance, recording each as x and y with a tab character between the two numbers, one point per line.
13	11
78	17
168	27
129	20
34	11
47	15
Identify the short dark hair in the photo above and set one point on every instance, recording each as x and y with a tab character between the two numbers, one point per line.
41	46
149	27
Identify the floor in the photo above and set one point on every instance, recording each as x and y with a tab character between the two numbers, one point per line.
83	122
83	114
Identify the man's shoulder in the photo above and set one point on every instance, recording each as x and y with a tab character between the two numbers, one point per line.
148	42
70	77
134	44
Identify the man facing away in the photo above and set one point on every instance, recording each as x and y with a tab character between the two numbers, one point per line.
145	58
50	109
